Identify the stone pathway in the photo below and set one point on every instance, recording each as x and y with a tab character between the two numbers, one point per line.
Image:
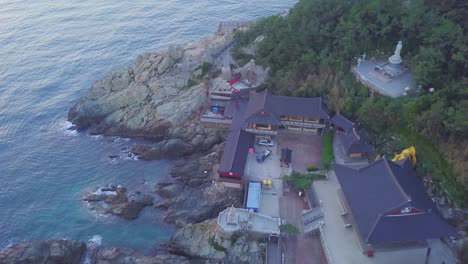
301	248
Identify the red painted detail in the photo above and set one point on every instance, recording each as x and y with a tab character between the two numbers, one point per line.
406	211
228	174
234	80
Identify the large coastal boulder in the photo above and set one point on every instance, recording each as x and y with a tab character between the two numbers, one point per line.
205	240
192	195
113	200
186	139
44	252
150	97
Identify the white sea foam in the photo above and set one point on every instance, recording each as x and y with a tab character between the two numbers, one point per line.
65	126
96	240
97	137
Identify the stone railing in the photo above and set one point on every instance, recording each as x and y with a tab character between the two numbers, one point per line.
325	245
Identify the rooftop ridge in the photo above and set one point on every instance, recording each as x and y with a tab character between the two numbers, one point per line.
402	192
356	134
373	227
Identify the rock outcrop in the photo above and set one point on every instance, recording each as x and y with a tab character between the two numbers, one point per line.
75	252
192	195
117	255
205	240
113	200
185	139
39	252
150	97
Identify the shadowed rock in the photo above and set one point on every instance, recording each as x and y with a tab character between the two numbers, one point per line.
38	252
113	200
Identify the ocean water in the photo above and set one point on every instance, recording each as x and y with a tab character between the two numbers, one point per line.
50	54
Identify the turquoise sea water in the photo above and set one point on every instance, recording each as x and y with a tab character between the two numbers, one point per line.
50	54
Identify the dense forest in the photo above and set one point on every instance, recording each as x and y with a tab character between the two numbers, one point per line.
311	50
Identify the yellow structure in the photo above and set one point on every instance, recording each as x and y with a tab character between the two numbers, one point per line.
409	152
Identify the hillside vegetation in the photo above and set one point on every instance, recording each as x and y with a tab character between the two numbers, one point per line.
310	53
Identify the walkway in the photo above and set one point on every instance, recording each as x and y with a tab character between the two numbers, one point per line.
301	248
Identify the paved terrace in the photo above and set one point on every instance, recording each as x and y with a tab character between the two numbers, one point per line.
343	242
306	148
254	222
390	87
268	170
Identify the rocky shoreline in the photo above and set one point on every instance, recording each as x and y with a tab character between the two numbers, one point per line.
161	91
158	99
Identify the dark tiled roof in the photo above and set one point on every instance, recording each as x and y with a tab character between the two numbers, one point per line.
236	151
238	142
231	107
341	121
276	106
376	195
353	142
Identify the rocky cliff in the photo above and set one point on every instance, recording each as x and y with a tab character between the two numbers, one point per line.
192	195
161	90
205	240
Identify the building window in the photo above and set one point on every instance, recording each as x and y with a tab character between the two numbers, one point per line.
311	120
294	128
284	117
263	127
313	130
297	119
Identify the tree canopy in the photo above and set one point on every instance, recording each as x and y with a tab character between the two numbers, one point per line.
311	50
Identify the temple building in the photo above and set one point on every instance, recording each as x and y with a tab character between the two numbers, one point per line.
354	144
389	78
267	113
388	207
341	123
264	114
351	143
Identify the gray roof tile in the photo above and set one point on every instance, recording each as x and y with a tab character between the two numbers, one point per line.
376	195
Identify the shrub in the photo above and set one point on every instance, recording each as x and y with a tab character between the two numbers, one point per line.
311	168
234	237
216	245
302	181
206	67
190	83
289	228
327	155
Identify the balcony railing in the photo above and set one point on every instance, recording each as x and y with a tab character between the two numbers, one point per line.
262	131
303	124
